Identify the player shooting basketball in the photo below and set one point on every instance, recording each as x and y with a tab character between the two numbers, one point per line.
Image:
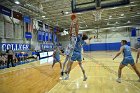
73	33
77	44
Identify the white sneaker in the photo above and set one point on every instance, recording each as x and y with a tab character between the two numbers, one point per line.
67	77
118	80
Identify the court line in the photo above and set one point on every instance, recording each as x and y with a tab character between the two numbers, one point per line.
115	74
62	80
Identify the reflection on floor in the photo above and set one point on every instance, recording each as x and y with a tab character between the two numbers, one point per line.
100	69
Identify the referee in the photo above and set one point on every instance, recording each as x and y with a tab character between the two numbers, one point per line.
10	54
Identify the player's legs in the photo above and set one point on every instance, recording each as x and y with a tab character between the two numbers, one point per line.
61	70
69	65
81	66
66	59
133	65
60	64
54	61
79	58
136	70
53	64
120	72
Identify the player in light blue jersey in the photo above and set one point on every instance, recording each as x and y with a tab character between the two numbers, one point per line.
56	57
77	55
127	59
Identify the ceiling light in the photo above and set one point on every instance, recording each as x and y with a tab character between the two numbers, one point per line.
66	13
43	16
132	2
110	16
128	22
17	2
122	14
79	13
105	19
121	17
117	23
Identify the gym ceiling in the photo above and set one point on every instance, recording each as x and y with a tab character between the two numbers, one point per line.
58	12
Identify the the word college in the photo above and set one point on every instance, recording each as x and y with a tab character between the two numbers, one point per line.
14	46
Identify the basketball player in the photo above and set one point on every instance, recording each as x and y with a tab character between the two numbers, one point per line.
128	59
56	56
73	33
77	56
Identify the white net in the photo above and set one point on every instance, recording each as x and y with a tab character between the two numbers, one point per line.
98	14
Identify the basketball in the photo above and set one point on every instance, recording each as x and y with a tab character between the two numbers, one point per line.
73	16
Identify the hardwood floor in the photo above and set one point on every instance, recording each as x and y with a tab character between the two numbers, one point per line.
41	78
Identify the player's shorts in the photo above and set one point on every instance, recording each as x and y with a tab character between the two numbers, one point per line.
76	56
127	61
56	59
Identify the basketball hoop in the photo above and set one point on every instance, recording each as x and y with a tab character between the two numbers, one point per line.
97	14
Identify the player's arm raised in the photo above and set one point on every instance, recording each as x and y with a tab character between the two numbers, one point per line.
70	32
76	27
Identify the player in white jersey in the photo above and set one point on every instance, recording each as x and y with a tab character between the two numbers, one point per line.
70	47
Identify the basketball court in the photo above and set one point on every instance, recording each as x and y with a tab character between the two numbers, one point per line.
35	27
100	69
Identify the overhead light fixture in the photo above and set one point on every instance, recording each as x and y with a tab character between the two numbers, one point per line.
79	13
105	19
128	22
81	22
17	2
122	14
43	16
132	2
66	13
110	16
121	17
116	22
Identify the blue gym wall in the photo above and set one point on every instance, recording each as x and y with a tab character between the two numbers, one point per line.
103	46
109	39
